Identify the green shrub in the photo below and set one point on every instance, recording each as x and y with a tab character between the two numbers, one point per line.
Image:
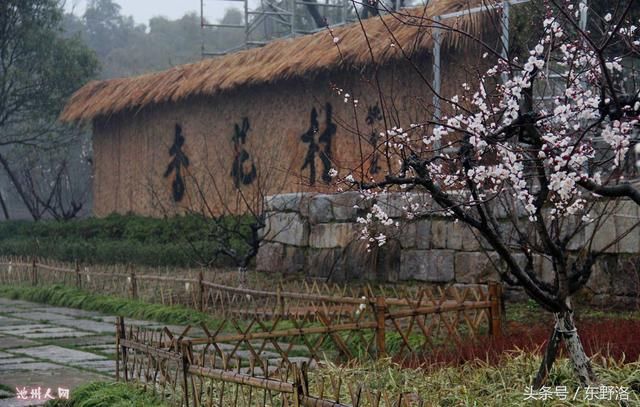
181	241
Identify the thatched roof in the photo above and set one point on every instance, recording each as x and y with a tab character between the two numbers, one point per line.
278	60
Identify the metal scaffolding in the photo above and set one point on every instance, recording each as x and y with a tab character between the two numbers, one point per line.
275	19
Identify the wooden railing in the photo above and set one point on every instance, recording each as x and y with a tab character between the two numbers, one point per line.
263	363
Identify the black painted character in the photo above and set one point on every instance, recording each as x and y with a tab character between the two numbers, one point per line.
179	160
322	146
374	115
238	172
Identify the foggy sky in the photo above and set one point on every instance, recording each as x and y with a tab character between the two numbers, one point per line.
143	10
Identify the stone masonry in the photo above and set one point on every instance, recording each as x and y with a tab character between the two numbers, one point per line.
318	234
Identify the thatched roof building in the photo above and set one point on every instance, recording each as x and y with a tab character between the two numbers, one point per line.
268	118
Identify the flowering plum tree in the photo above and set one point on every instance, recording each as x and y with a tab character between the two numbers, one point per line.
509	143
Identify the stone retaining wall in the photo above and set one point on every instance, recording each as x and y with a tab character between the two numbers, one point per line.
318	234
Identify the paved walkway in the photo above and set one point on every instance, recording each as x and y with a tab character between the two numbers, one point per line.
51	347
55	348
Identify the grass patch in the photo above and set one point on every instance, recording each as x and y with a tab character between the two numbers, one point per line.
476	383
5	388
64	296
109	394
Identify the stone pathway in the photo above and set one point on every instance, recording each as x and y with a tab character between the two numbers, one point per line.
49	347
53	347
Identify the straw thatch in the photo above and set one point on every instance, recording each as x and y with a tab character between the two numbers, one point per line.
279	60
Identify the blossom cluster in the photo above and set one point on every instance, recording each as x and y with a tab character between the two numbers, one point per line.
519	140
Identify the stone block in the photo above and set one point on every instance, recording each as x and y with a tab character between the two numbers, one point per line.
60	355
471	239
323	263
387	262
603	234
320	209
407	235
434	266
333	235
348	206
454	234
577	241
626	279
293	202
544	268
423	233
473	268
439	233
392	204
288	228
600	280
270	257
293	260
627	215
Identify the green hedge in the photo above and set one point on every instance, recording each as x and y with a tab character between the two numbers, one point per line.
182	241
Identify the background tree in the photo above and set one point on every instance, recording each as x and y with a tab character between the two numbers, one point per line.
540	137
39	69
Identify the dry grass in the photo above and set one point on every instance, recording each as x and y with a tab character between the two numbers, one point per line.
409	31
477	383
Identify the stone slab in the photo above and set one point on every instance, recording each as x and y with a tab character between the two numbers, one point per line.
5	321
27	366
18	303
270	257
106	348
14	360
42	331
14	402
11	342
70	312
37	315
288	228
295	202
320	209
434	266
8	310
86	340
333	235
88	325
21	329
54	377
54	333
102	366
59	354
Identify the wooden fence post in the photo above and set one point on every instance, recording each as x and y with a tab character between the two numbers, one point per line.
298	393
279	300
134	285
78	276
122	351
184	350
34	272
117	349
380	309
495	297
200	292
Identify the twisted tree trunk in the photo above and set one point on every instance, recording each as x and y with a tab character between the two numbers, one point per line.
565	330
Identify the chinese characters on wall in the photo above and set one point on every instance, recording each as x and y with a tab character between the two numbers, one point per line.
319	144
178	163
239	172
